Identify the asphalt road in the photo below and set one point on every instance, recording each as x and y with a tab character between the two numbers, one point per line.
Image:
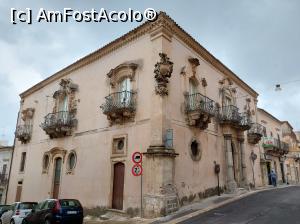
278	206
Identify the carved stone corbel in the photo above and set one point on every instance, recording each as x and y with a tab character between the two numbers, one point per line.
163	71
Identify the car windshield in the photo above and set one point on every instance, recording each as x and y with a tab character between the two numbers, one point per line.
69	203
3	207
27	205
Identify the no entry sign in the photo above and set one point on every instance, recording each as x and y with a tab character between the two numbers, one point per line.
137	169
137	157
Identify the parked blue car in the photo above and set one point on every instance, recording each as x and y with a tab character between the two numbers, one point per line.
58	211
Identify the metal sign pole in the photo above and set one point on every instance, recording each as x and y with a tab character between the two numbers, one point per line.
142	192
219	193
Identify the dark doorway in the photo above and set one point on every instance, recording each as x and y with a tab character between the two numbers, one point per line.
57	177
118	186
234	162
18	193
282	172
269	172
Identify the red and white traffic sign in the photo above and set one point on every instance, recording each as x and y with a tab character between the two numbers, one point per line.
137	157
137	170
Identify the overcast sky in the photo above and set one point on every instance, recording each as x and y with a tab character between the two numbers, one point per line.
258	40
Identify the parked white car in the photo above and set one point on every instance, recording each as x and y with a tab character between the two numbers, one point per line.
17	212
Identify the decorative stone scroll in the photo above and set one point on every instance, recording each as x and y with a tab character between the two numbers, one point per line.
27	114
163	71
194	64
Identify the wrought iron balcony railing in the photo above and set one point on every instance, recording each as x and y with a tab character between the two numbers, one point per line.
257	129
199	110
59	124
285	147
275	145
3	179
231	115
23	133
255	133
119	106
198	102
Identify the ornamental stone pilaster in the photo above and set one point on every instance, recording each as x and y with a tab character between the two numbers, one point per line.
231	185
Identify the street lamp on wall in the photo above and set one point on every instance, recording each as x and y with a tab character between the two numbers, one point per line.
278	86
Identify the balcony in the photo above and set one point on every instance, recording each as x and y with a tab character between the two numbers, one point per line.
59	124
119	106
3	179
23	133
199	109
285	147
274	145
230	115
255	133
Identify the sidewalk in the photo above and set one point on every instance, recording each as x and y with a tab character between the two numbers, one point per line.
187	211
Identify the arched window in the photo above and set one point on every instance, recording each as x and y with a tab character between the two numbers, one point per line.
192	94
46	162
124	89
195	150
192	86
63	104
71	162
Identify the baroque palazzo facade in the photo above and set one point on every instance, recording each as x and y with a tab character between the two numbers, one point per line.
154	90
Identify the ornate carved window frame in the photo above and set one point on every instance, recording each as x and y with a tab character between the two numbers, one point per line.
199	150
227	90
115	142
122	71
67	87
46	169
70	170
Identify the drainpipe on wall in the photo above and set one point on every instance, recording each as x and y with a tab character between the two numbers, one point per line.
12	157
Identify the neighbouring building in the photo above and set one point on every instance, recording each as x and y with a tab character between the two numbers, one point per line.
5	161
293	158
154	90
273	150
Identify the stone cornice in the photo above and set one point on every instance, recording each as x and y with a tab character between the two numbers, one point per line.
163	21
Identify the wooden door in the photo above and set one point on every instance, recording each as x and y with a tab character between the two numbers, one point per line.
19	192
118	186
57	177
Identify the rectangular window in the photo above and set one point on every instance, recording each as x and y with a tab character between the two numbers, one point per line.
4	169
265	132
23	159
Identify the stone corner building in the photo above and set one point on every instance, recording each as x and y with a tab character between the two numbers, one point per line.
154	90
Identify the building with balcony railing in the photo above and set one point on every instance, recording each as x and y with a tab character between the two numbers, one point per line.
164	101
274	145
199	109
119	106
5	163
59	124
